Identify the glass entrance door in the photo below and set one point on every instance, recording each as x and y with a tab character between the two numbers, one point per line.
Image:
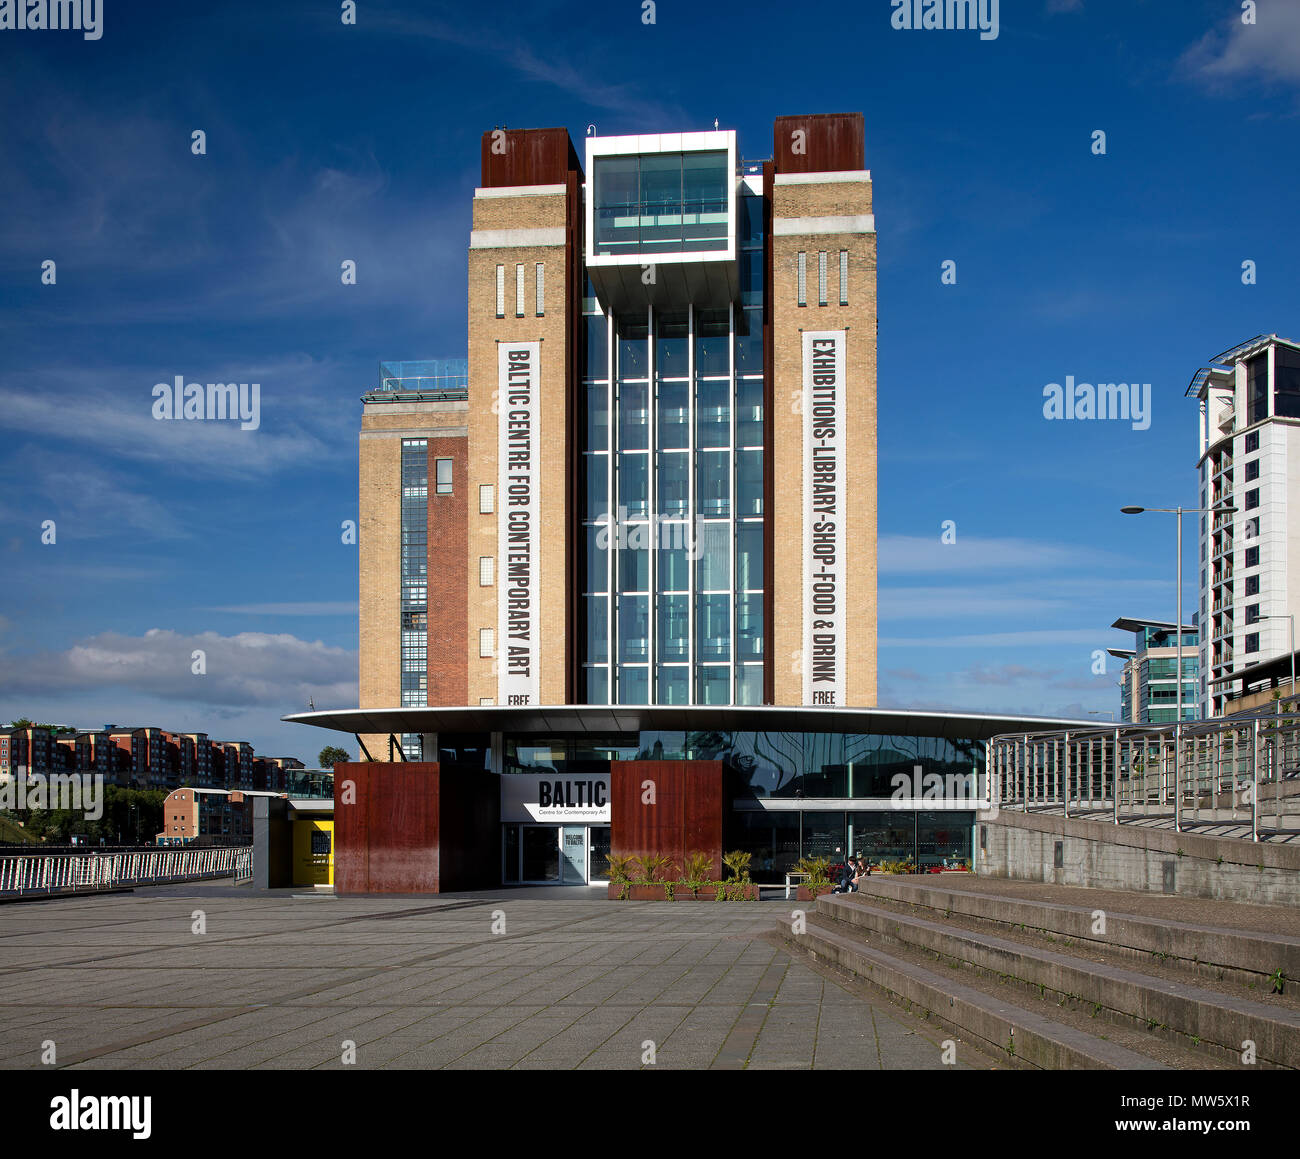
573	860
541	853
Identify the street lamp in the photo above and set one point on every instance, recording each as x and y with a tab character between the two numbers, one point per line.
1101	712
1218	509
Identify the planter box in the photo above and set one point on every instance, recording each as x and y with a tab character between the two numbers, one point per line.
642	892
804	893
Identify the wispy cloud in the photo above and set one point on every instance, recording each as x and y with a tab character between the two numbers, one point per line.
322	608
903	554
1267	50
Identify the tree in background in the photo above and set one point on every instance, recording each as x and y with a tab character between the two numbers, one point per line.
331	755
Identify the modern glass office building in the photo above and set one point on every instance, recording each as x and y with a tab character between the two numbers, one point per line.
632	537
1149	686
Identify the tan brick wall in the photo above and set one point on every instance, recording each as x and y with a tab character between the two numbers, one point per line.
485	331
531	211
789	320
821	199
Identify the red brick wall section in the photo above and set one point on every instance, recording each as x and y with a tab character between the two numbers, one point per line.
449	563
391	839
686	816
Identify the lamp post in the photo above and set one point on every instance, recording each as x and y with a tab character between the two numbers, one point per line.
1218	509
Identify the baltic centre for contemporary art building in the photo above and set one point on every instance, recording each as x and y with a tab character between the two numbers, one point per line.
630	539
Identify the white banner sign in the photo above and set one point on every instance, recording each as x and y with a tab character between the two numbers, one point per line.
824	517
554	797
519	555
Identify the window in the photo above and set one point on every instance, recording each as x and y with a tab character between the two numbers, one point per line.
485	497
501	291
1252	498
803	278
1252	557
486	641
1252	642
541	289
1252	585
444	477
484	701
519	290
1252	442
1286	382
821	278
485	571
1257	389
1252	471
1252	614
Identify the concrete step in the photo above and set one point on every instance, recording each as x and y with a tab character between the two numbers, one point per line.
1245	955
1020	1035
1214	1020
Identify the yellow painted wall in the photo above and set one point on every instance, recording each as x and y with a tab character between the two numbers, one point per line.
313	868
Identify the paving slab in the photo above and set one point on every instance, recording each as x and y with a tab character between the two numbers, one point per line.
279	982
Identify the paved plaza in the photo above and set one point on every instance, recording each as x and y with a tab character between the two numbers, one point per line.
540	979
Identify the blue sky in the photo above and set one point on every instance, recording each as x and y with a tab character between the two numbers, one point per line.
328	142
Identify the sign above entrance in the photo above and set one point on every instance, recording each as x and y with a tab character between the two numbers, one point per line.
551	797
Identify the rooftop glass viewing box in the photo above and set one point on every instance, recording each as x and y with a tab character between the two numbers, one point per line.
664	203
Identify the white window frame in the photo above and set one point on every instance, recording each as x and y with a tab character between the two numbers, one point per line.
501	291
844	277
486	571
519	289
821	277
486	499
486	642
541	289
802	278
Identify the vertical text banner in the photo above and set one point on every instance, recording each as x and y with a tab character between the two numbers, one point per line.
519	475
824	494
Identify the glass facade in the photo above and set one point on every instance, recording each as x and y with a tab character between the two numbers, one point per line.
415	581
672	487
772	765
661	203
792	767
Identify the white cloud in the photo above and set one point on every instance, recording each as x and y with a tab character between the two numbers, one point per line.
276	673
1267	50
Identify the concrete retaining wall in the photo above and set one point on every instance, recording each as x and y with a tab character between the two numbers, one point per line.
1060	851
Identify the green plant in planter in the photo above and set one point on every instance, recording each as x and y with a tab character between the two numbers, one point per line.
738	862
620	868
695	871
818	870
654	868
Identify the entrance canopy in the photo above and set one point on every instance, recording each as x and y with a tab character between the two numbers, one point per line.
631	718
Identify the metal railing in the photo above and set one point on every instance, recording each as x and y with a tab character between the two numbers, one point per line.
1200	771
77	872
